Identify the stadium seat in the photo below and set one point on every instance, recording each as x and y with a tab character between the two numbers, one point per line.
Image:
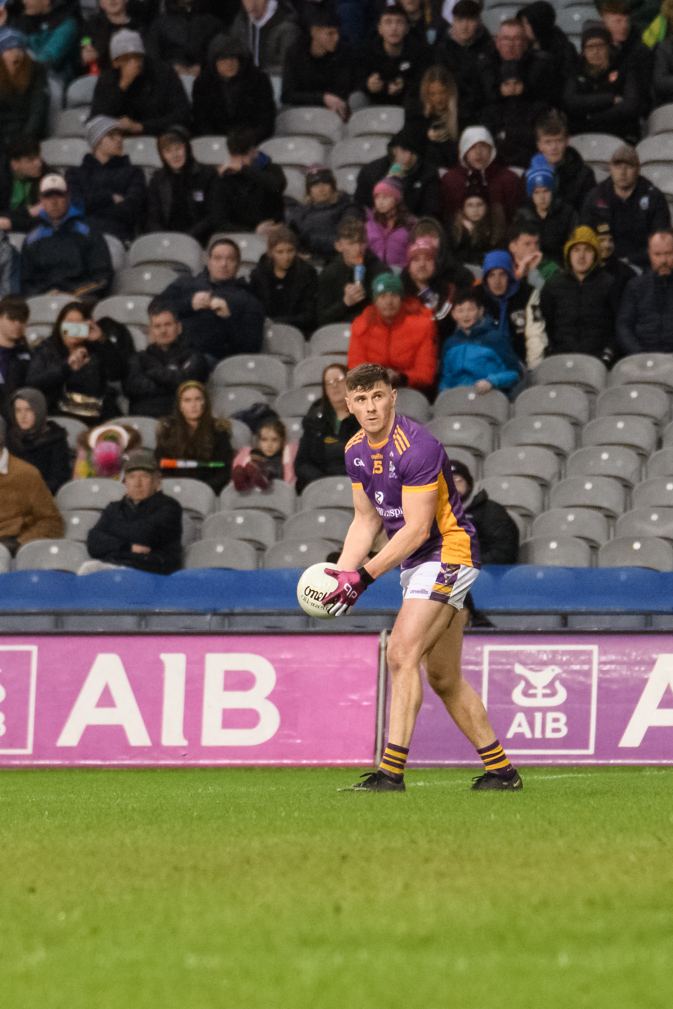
80	91
661	175
572	17
295	183
296	402
638	552
5	560
309	371
224	552
143	151
660	120
548	431
615	461
72	427
249	524
560	400
579	523
347	178
145	426
657	492
117	251
210	150
463	400
93	493
332	339
581	370
129	309
600	492
44	308
516	492
358	151
150	279
646	522
64	152
653	369
457	453
294	427
252	246
531	461
661	463
285	342
473	433
639	400
297	553
72	122
231	399
318	523
78	524
51	555
386	119
328	492
596	148
241	435
36	334
296	151
17	238
261	371
310	121
279	500
167	247
656	148
638	433
139	337
494	15
556	551
195	496
413	404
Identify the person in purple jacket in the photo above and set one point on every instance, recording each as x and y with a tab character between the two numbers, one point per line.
389	224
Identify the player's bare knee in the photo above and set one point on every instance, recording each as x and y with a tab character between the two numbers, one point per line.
444	682
400	657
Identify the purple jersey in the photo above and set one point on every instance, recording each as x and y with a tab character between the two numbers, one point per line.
411	460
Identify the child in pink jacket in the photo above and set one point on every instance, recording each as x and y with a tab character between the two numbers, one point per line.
389	224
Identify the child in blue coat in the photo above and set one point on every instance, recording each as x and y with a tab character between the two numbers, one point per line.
477	353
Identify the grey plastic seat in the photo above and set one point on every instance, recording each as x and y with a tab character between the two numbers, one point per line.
347	178
515	492
297	553
51	555
285	342
5	560
210	150
294	426
36	334
555	551
295	183
230	399
64	152
646	522
386	119
328	492
555	433
297	151
92	493
131	309
72	122
638	400
318	523
667	437
241	435
358	150
145	426
332	339
117	251
571	19
560	400
413	404
600	492
596	148
660	120
80	91
660	174
249	524
221	552
531	461
579	523
655	369
463	400
296	402
44	308
279	500
309	371
150	279
657	492
661	463
262	371
473	433
606	460
656	148
637	552
142	151
457	453
637	433
72	427
252	246
167	247
310	121
78	523
495	14
582	370
195	496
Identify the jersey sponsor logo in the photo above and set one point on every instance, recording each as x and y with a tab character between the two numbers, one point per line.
390	513
379	497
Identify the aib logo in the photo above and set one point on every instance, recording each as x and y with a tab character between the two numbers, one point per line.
18	668
542	697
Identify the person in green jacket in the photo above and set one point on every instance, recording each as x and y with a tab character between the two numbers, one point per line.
53	36
653	30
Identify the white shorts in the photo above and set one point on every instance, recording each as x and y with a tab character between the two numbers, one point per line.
443	583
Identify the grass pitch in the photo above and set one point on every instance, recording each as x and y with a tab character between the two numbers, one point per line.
265	889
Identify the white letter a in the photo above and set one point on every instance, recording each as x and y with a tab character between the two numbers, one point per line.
647	711
107	671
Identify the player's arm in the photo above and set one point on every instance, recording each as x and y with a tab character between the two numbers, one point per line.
364	529
419	507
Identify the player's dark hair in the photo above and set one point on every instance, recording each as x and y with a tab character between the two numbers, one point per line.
366	376
468	294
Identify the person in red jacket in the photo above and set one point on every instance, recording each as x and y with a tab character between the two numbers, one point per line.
478	166
398	333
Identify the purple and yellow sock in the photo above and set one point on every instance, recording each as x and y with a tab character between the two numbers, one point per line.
496	761
394	761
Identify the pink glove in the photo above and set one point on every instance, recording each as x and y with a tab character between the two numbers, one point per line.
351	585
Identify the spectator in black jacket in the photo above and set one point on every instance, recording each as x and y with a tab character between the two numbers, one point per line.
112	15
155	373
43	443
316	219
553	50
512	45
249	195
555	220
182	34
111	191
268	28
182	193
144	529
497	532
145	94
391	64
630	52
467	50
662	79
600	97
14	351
63	253
191	434
577	302
345	285
645	319
620	271
420	181
326	429
231	93
511	118
285	283
434	114
574	178
323	74
219	315
630	204
20	175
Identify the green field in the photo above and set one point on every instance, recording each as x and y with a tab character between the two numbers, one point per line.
265	889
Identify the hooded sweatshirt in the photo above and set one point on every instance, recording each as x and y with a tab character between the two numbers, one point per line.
481	353
268	39
503	186
517	312
44	445
242	102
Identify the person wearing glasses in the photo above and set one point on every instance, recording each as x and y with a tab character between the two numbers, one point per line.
327	427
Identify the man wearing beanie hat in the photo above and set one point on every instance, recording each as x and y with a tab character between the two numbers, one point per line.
391	64
598	96
478	159
325	74
553	218
112	191
578	303
144	94
397	333
420	181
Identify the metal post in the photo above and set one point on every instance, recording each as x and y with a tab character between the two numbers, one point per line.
381	697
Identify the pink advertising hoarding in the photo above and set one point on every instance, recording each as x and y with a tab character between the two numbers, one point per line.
186	701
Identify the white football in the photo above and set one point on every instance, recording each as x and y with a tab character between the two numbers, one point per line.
312	588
